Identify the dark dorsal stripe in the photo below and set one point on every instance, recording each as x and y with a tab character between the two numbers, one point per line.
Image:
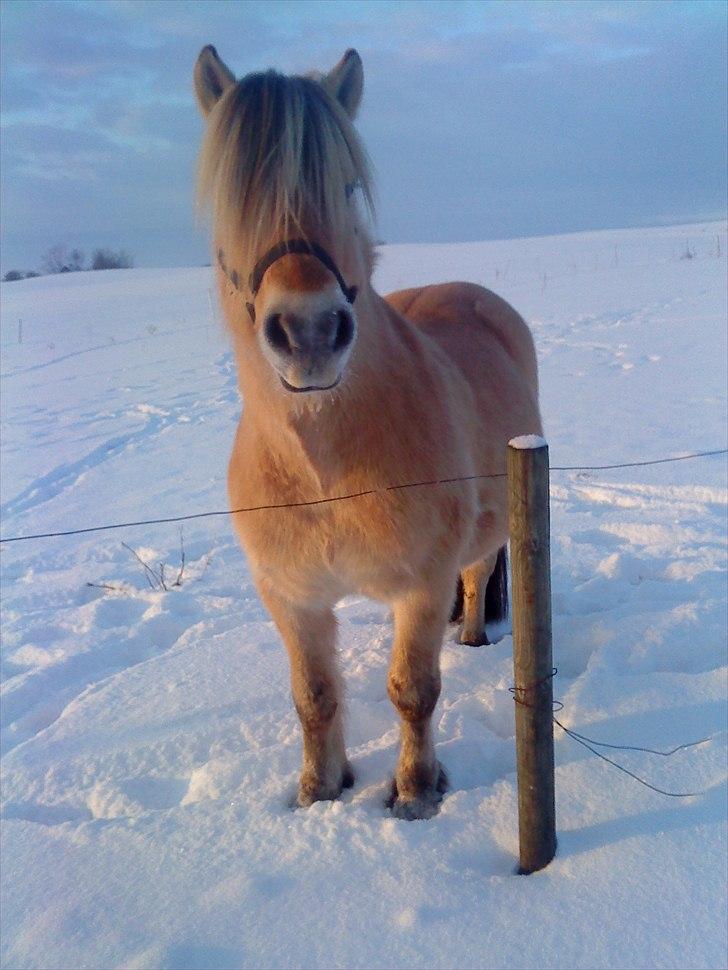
306	248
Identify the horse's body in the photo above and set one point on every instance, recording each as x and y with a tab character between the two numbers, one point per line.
423	409
425	386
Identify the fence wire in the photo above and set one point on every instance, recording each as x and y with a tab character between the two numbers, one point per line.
351	495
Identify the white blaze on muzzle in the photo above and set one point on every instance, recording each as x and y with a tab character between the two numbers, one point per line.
307	337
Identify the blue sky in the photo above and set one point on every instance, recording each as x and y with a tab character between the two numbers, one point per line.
483	119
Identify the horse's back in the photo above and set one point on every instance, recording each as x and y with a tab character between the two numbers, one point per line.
477	329
485	356
473	325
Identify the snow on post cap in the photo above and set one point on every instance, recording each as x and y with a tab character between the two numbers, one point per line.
526	441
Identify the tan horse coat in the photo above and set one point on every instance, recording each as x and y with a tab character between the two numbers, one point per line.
438	380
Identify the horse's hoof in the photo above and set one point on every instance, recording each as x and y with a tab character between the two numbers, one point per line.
424	805
469	639
310	790
308	794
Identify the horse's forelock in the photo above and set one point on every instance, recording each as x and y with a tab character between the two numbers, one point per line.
280	156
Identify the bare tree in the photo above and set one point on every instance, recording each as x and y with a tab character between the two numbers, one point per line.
61	259
56	259
76	261
108	259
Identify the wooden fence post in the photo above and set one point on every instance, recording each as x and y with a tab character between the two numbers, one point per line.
528	513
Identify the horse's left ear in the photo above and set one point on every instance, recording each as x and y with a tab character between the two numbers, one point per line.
346	82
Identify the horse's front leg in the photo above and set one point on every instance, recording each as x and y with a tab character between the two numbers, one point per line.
420	620
310	639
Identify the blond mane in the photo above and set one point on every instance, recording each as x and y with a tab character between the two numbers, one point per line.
279	159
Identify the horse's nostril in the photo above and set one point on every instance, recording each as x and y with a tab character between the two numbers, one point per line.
344	330
275	334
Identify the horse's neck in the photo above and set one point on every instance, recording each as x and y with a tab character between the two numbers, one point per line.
323	438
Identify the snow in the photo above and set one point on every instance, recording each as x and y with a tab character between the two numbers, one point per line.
527	442
150	747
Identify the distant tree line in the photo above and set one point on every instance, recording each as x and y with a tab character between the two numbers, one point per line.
61	259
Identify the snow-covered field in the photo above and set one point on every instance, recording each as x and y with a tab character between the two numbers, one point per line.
150	747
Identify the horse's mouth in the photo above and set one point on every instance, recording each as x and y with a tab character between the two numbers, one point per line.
304	390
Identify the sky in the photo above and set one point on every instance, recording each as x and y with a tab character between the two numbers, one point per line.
484	120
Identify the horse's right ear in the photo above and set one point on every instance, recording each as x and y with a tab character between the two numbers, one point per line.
212	78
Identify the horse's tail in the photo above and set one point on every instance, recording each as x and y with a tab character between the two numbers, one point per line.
496	592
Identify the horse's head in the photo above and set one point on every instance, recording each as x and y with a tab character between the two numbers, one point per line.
279	166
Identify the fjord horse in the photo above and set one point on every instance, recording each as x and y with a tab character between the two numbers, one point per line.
347	392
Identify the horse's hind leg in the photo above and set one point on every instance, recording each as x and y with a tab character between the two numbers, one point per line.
485	597
310	639
413	685
475	580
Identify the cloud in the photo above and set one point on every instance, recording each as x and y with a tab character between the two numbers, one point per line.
483	119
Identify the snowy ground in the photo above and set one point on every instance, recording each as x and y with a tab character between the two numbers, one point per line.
150	747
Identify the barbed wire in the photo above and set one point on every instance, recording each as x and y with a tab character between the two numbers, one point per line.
350	495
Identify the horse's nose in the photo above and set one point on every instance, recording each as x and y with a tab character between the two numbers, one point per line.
280	331
326	334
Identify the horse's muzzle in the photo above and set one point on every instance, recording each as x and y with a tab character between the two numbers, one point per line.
309	354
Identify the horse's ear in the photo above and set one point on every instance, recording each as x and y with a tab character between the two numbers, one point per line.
212	77
346	82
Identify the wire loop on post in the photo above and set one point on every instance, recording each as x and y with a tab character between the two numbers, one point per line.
516	691
587	742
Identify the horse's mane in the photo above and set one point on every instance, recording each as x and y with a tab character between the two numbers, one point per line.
280	156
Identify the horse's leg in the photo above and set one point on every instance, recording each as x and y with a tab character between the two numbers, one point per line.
475	582
420	620
310	639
